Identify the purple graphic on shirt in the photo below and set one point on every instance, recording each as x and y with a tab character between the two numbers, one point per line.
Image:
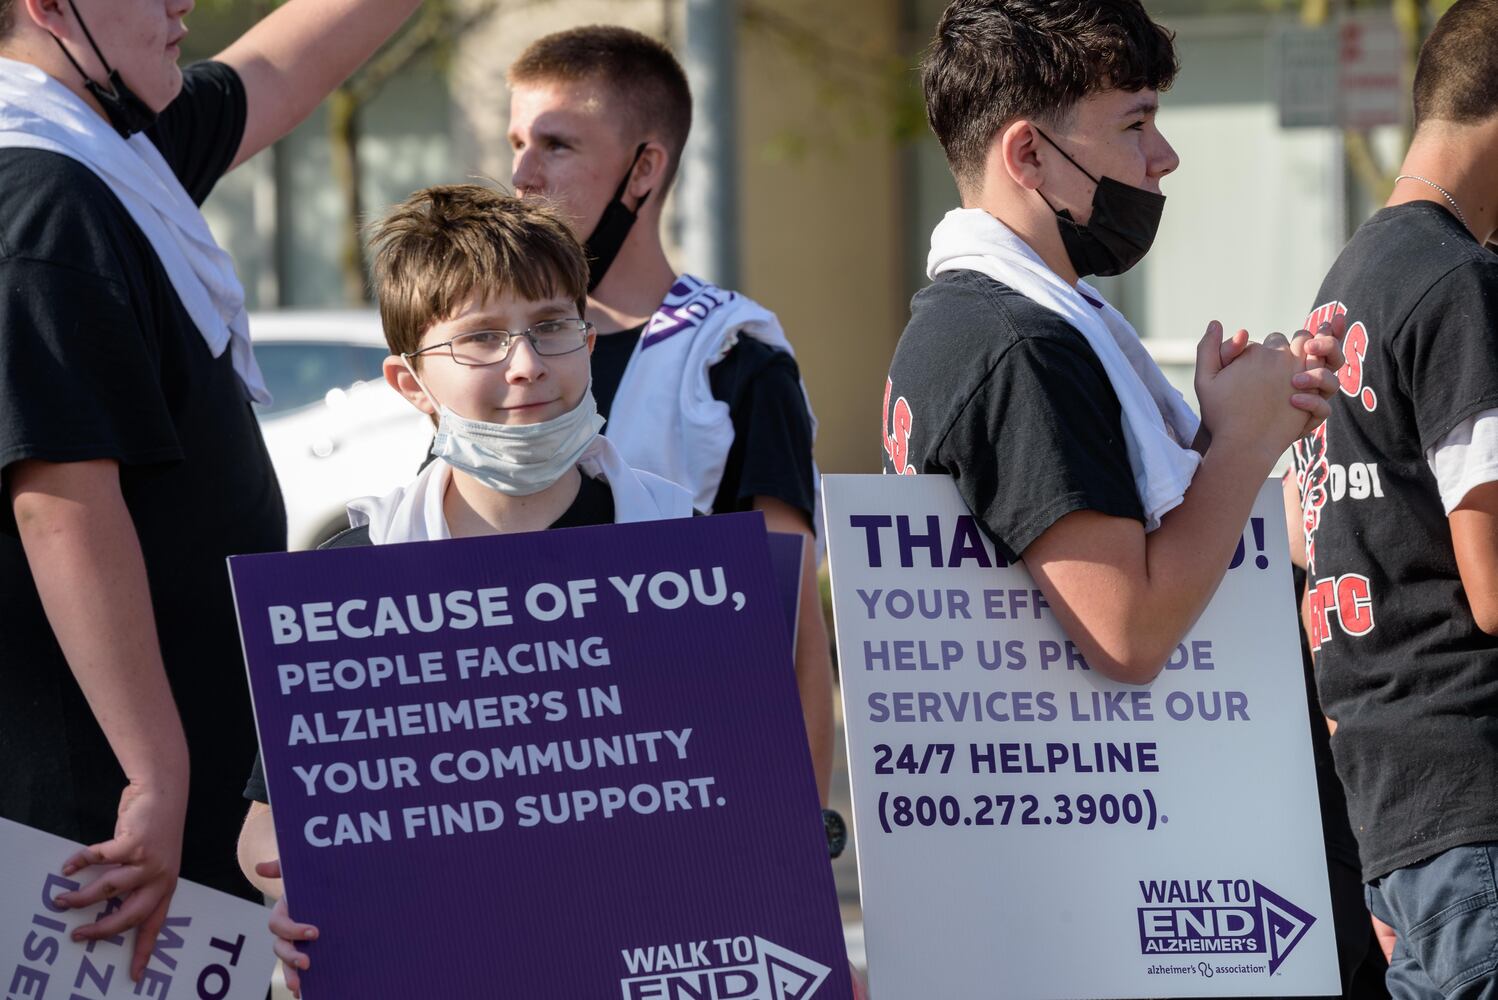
562	764
689	302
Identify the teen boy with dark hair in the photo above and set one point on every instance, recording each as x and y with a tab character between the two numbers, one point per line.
1399	494
698	383
1017	379
1031	392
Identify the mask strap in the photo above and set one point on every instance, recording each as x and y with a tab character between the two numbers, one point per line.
420	384
624	184
1048	202
1065	154
108	71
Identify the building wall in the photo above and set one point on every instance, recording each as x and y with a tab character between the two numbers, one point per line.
821	209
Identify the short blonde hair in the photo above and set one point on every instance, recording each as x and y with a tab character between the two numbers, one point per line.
442	244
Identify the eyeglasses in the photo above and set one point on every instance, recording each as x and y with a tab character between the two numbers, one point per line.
550	339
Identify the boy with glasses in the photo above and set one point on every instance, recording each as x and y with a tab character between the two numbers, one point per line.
482	298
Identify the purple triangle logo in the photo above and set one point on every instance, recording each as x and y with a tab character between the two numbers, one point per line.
790	976
1284	923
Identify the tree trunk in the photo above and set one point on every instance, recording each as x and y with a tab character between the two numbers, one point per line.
343	129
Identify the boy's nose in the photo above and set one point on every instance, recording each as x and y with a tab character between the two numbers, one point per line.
525	177
524	364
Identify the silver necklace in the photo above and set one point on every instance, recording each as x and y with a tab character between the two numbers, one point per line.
1444	193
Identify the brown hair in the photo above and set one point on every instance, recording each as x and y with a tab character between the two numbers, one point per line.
993	62
1457	76
444	243
648	82
7	12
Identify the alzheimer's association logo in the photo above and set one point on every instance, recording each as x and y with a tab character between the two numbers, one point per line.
736	968
1219	916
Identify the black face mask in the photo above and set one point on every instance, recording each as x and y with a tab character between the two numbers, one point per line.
1121	231
125	111
612	229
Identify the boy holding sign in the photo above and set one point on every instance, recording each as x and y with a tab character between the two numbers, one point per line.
1062	434
482	297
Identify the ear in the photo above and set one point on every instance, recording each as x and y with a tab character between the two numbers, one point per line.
650	172
1016	154
592	341
399	378
45	14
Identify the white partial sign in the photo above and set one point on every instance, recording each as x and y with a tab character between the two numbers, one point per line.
1346	74
1027	828
213	947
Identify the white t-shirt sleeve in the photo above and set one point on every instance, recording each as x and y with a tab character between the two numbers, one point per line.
1465	458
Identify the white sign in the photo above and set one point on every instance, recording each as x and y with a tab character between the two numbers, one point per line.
1347	74
1027	828
213	947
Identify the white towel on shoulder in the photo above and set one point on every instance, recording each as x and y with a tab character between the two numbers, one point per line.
1158	425
414	513
37	112
664	417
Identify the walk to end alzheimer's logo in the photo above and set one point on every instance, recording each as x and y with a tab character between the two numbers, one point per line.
1236	917
727	968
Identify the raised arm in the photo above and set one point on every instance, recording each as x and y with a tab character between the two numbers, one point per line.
293	59
1126	597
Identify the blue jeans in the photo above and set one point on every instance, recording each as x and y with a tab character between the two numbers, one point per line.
1445	911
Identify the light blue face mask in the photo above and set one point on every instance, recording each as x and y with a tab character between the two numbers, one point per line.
514	459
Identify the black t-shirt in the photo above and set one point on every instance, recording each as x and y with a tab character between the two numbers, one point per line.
99	360
1007	398
1341	843
594	504
771	454
1410	679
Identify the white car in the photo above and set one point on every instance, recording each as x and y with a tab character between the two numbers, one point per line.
335	430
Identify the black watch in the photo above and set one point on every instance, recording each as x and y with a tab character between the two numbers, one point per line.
837	832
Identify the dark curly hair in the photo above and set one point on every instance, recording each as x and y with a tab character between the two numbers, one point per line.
993	62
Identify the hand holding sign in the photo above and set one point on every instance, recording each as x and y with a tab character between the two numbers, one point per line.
210	945
542	715
288	933
143	860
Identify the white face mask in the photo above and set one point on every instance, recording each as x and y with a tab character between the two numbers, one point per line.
514	459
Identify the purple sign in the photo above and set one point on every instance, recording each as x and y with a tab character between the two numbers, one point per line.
563	764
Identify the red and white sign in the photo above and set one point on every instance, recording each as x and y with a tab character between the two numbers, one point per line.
1346	74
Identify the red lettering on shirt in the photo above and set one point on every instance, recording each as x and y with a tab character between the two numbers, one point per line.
1355	347
1311	475
897	425
1349	597
1355	604
1354	350
1321	601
